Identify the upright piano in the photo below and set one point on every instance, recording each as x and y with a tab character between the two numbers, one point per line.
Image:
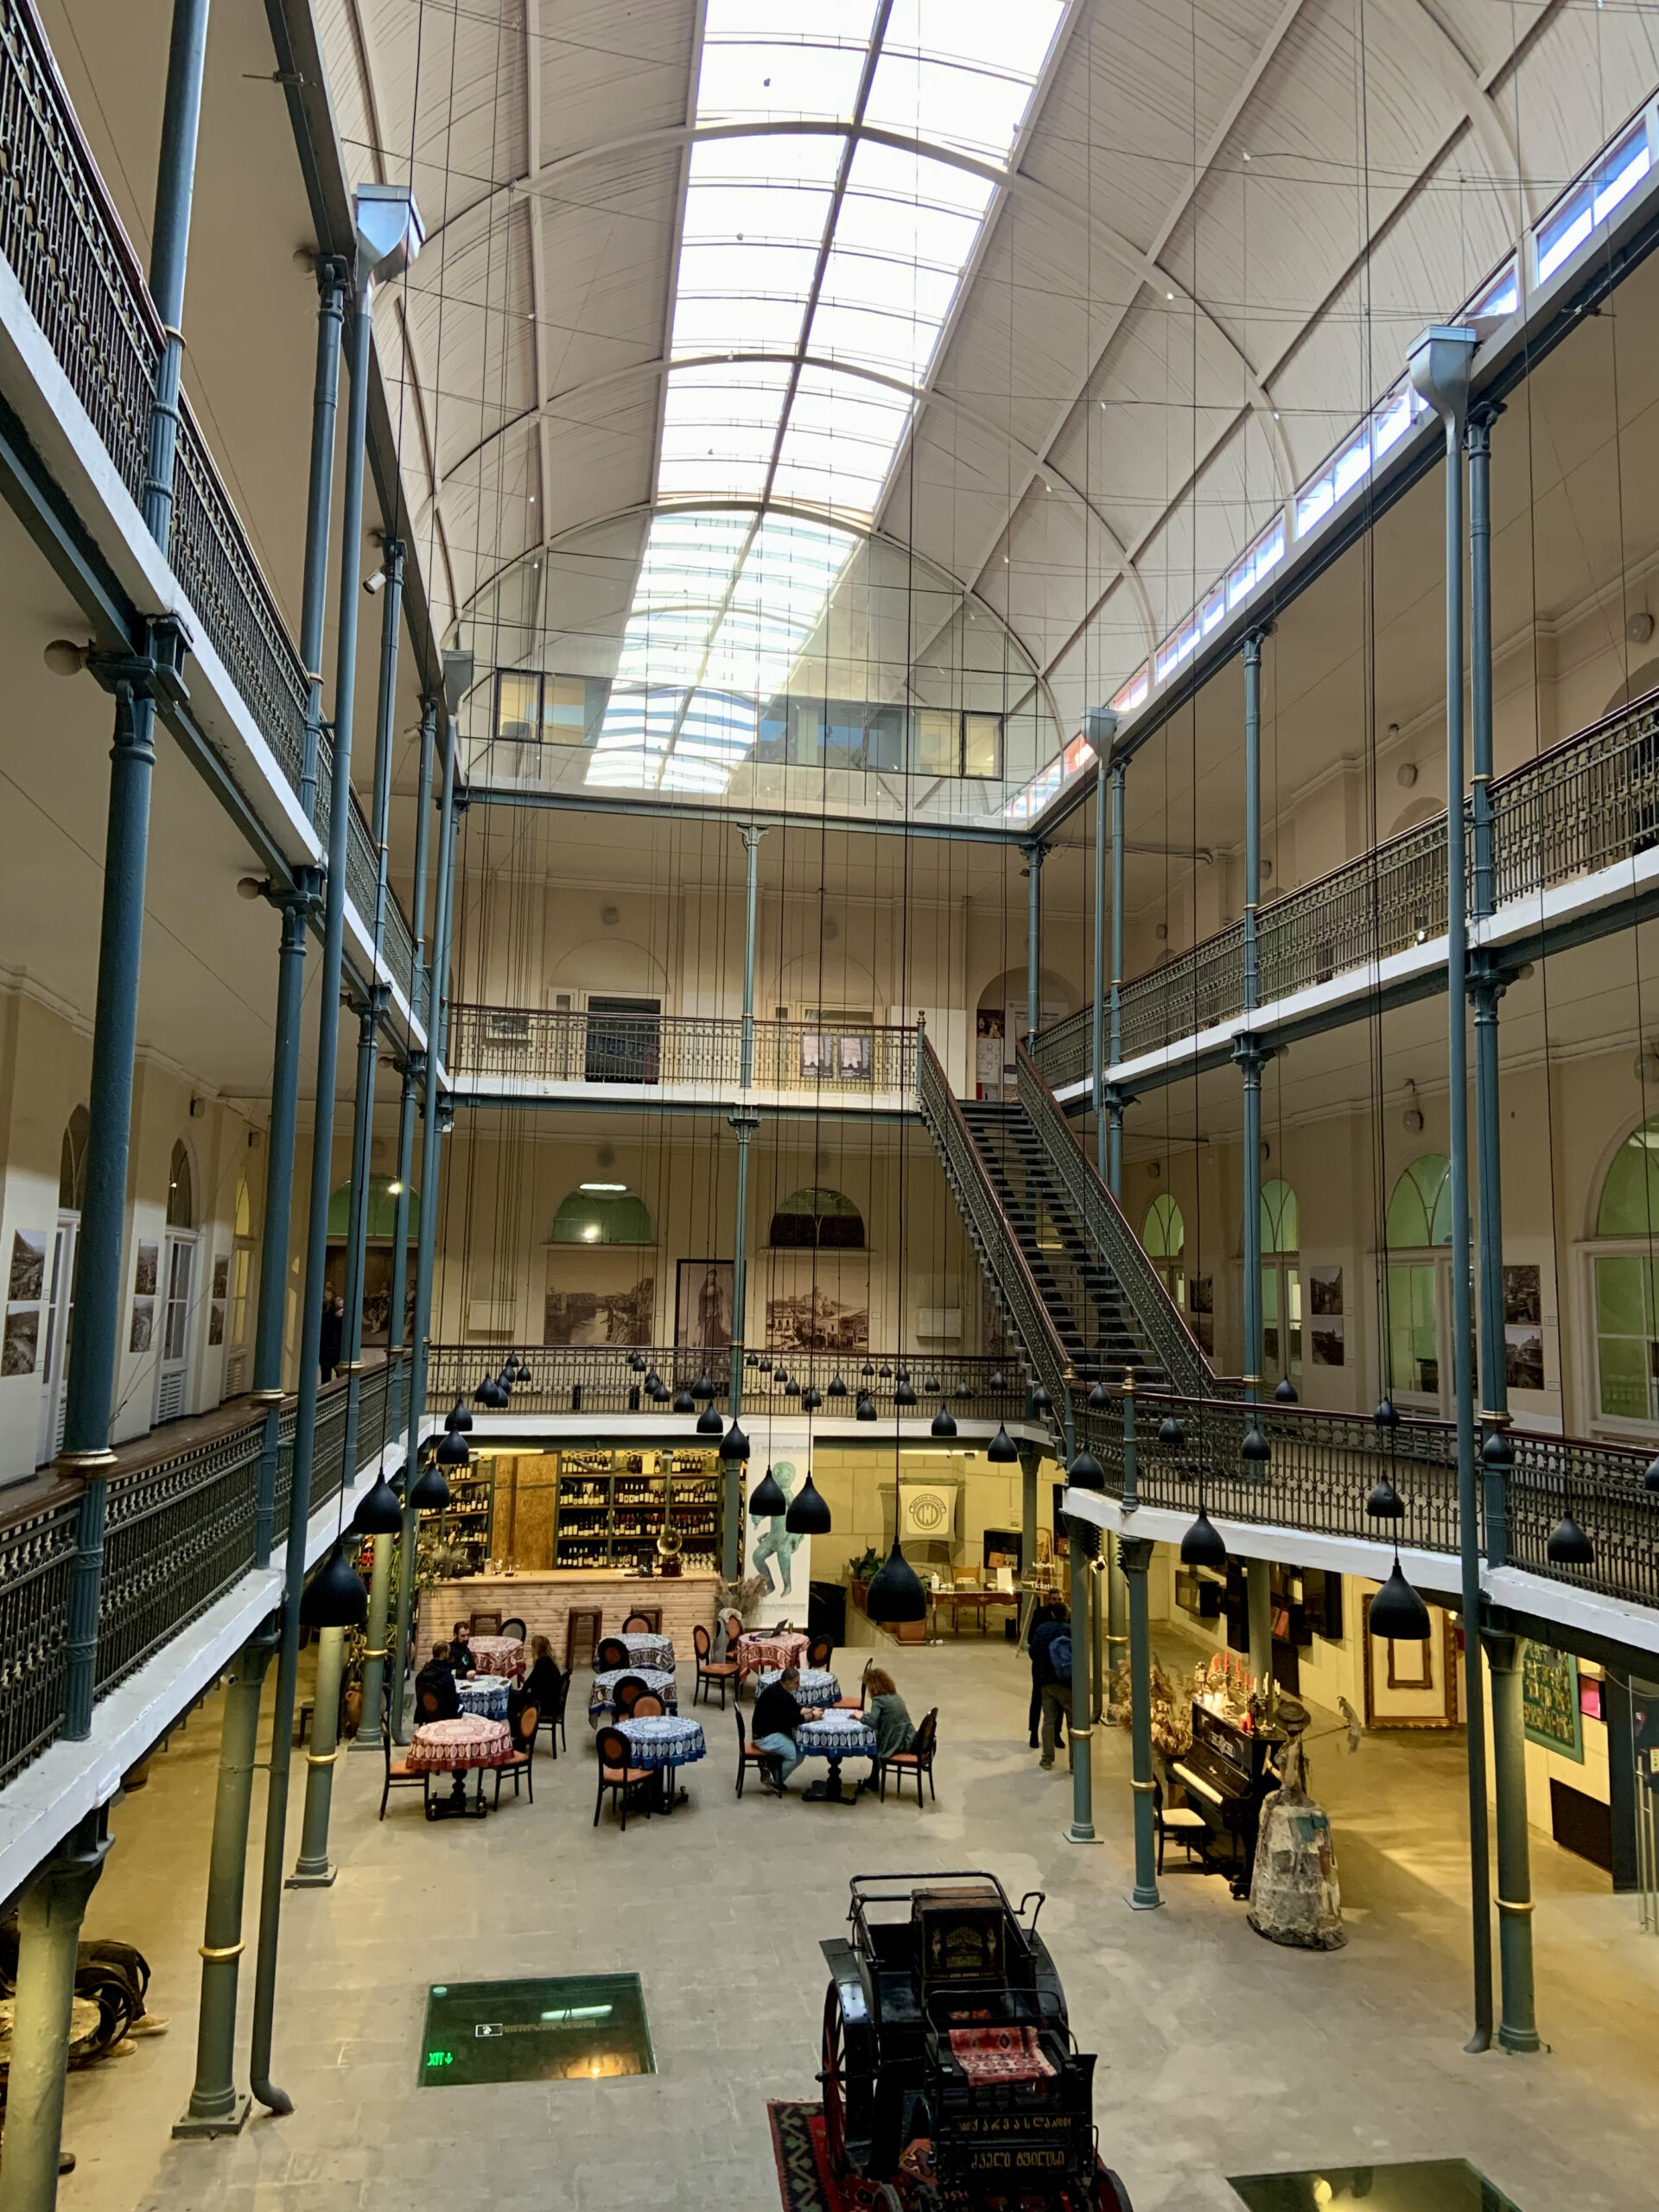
1225	1776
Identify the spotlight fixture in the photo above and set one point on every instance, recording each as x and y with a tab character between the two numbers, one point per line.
379	1513
766	1498
1001	1451
1397	1613
335	1597
1202	1544
808	1515
895	1594
943	1420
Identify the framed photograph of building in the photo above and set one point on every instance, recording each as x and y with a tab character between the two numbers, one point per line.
23	1338
28	1264
1523	1296
598	1297
1325	1293
703	1304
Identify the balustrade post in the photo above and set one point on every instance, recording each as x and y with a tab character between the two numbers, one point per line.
49	1914
1135	1553
1036	853
1439	371
294	906
1517	2027
320	492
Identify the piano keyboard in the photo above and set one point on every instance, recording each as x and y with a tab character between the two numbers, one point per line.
1184	1774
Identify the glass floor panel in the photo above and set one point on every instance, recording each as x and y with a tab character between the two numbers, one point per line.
573	2027
1422	2185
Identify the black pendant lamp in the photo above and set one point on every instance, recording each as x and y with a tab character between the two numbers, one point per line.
734	1445
791	1388
766	1498
896	1594
1286	1393
378	1512
458	1417
484	1396
1254	1451
1202	1544
453	1450
1398	1614
708	1422
429	1493
683	1401
999	1381
808	1515
1170	1432
703	1388
1569	1546
335	1597
945	1422
964	1390
865	1409
1386	1415
1650	1480
1099	1398
902	1393
636	1362
656	1389
1040	1401
837	1388
933	1388
885	1372
868	1370
1085	1472
1385	1503
1001	1451
811	1398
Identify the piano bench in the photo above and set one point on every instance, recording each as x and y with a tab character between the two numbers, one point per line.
1187	1825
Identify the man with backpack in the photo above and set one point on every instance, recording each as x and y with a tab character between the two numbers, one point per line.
1050	1646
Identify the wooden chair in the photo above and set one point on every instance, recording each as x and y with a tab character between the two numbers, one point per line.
622	1780
710	1671
609	1653
428	1702
733	1621
821	1652
626	1695
919	1760
400	1775
649	1624
581	1633
484	1624
1187	1824
553	1719
525	1722
649	1706
514	1627
748	1755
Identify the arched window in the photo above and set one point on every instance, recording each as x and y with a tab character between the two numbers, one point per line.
72	1163
818	1217
241	1313
1281	1227
1626	1293
180	1191
244	1210
1163	1234
1281	1224
1420	1212
382	1209
602	1213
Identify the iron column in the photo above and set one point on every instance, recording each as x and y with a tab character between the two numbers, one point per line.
1115	1043
387	705
1517	2028
49	1930
1439	371
332	274
294	906
1135	1555
175	185
375	1675
752	836
1101	725
743	1128
1036	853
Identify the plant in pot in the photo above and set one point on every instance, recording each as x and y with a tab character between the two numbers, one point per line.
861	1571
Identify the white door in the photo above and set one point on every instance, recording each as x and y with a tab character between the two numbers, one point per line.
60	1312
173	1334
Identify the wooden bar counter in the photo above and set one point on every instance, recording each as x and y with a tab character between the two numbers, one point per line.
544	1599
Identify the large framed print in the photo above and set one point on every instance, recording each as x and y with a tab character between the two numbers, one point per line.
703	1304
598	1297
1549	1701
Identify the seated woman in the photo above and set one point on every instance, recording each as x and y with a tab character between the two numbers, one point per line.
461	1660
542	1683
888	1714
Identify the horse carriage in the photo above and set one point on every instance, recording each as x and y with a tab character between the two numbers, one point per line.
951	2074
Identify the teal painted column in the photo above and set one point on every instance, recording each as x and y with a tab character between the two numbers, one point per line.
437	1121
1115	1099
386	715
1439	370
313	1870
1036	853
1098	1571
1117	1635
752	836
216	2105
270	1312
331	275
1258	1595
1030	1463
1135	1552
1085	1538
743	1128
1101	728
49	1914
1517	2026
377	1651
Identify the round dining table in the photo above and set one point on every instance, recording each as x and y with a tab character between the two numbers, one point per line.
499	1654
602	1702
662	1742
818	1686
484	1696
455	1747
835	1737
649	1650
755	1650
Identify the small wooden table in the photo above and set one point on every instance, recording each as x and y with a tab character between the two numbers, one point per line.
979	1601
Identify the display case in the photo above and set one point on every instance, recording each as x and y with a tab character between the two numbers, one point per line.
463	1527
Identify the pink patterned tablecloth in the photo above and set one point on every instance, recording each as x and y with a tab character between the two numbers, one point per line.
754	1651
450	1746
499	1654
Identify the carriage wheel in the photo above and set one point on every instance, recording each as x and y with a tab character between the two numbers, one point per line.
848	2090
1110	2196
888	2197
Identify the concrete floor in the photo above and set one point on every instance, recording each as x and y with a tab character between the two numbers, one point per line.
1220	2053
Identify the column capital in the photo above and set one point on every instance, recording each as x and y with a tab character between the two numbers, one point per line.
751	833
1036	850
1489	976
1251	1054
1135	1554
1250	650
1503	1648
743	1125
1116	1099
1477	431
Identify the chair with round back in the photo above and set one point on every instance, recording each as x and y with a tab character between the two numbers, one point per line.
643	1625
616	1774
733	1621
524	1723
710	1672
399	1774
647	1706
748	1755
820	1653
428	1702
917	1760
514	1627
626	1693
611	1654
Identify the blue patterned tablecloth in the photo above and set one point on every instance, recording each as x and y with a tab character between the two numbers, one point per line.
601	1704
663	1740
649	1650
485	1694
837	1736
818	1685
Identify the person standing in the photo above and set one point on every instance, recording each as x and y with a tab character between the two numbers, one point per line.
1050	1645
334	1336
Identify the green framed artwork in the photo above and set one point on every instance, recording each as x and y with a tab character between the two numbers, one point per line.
1550	1701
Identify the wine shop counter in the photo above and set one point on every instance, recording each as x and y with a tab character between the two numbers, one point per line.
573	1607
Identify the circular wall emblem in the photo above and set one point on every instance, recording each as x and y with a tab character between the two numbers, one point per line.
927	1513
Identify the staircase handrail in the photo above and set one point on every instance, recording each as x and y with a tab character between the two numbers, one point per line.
988	1224
1107	1227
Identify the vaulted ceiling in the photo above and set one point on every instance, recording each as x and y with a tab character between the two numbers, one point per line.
1067	295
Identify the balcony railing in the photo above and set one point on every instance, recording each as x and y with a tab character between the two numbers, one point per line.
1588	802
520	1047
602	1379
179	1534
65	244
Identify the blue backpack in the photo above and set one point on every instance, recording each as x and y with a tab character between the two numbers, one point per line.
1059	1656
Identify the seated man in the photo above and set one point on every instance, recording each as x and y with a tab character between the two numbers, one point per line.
439	1677
461	1660
778	1718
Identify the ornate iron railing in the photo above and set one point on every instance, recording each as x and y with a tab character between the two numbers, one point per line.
602	1379
517	1048
987	1224
37	1552
1587	802
1602	1487
64	241
1107	1230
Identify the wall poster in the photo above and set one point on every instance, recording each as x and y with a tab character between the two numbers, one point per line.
702	1305
1549	1699
600	1297
818	1302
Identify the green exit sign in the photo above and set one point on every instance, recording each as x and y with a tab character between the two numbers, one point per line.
440	2057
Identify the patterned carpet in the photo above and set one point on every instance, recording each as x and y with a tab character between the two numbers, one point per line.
804	2180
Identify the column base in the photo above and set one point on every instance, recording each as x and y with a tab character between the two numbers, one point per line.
1075	1834
1522	2041
304	1877
206	2127
1143	1901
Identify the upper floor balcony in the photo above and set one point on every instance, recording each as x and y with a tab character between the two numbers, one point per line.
1574	855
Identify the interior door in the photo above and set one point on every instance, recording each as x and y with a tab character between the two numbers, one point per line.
1420	1338
59	1313
173	1337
